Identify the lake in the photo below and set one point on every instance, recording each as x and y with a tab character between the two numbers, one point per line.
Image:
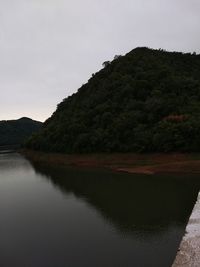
78	217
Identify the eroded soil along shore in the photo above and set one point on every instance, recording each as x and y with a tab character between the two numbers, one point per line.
178	163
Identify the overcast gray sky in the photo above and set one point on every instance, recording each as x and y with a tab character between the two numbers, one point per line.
49	48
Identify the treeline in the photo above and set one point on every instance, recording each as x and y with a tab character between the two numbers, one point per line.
15	132
145	101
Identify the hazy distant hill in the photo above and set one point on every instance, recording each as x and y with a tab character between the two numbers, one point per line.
147	100
14	132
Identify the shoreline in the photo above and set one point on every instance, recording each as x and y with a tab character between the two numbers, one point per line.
188	254
149	164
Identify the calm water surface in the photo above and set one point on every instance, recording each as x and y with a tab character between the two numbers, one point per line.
54	217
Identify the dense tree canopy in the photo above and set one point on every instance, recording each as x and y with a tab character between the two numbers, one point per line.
14	132
147	100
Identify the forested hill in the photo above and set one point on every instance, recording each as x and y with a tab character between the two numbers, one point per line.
14	132
147	100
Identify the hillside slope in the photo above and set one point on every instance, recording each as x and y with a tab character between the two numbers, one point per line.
14	132
147	100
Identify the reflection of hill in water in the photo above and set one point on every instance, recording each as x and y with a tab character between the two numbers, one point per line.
11	161
130	202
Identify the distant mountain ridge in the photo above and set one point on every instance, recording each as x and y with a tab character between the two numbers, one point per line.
15	132
145	101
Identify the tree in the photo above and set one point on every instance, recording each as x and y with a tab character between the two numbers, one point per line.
106	63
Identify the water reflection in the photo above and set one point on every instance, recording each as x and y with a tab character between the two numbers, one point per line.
130	202
53	216
11	161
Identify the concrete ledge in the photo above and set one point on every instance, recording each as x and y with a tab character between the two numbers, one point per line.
189	251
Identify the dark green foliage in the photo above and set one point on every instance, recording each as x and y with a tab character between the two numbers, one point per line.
147	100
14	132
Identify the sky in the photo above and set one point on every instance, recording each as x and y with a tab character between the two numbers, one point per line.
49	48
